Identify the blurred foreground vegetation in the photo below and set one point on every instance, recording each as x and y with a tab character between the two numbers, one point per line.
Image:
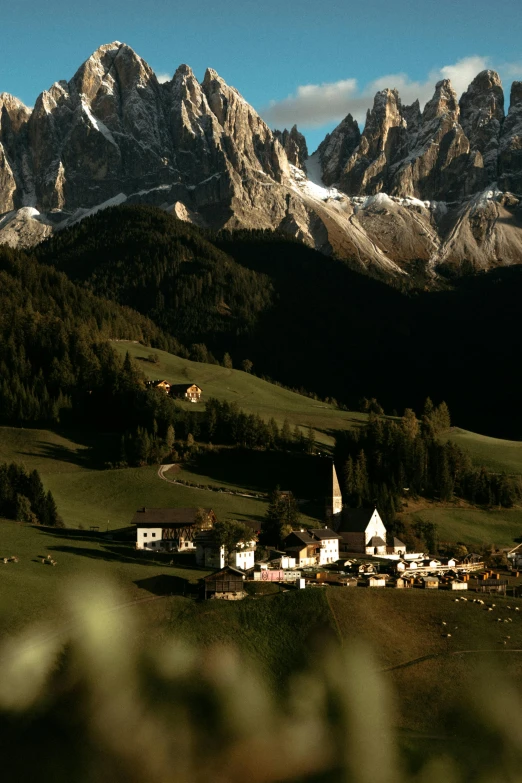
92	704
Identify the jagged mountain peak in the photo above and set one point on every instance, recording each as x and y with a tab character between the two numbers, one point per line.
336	149
183	71
487	79
294	144
14	111
11	101
444	101
408	185
516	94
110	67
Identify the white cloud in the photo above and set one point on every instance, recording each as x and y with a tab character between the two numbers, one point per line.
462	73
163	77
315	105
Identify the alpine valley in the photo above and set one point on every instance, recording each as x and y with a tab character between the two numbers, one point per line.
437	190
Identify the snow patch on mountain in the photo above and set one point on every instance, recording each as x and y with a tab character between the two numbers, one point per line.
96	123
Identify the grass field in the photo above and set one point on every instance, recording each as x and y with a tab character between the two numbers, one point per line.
251	393
35	592
495	454
472	526
279	632
108	498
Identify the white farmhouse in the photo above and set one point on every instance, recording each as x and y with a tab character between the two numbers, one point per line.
210	554
319	546
171	529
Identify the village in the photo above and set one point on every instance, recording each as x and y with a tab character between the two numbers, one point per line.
352	549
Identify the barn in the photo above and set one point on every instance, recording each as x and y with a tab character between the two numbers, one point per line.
226	584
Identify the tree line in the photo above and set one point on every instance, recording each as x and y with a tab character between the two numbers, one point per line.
23	497
387	460
169	430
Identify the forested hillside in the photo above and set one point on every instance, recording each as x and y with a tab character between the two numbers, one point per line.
307	320
55	363
165	268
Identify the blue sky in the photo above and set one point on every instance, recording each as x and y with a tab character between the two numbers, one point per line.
308	62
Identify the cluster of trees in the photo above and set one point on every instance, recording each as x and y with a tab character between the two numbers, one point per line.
386	460
165	428
419	535
225	423
281	516
229	533
23	497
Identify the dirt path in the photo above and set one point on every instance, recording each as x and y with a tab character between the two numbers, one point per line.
431	656
163	469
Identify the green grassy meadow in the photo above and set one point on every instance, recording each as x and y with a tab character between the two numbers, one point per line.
502	456
279	632
108	498
252	394
33	592
473	526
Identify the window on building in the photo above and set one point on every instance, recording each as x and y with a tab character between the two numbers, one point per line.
154	535
144	535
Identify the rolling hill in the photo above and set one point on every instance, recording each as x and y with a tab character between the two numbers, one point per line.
251	393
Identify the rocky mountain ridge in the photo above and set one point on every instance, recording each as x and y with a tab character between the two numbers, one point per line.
437	187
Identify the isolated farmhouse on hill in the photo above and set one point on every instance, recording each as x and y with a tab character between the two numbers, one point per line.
362	530
171	529
161	384
186	391
313	547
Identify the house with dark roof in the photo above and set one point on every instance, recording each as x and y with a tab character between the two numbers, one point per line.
397	547
313	547
226	584
362	530
171	529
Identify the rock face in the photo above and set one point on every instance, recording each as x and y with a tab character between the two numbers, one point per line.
382	144
481	117
405	153
447	152
510	148
114	128
441	186
337	148
13	156
294	144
